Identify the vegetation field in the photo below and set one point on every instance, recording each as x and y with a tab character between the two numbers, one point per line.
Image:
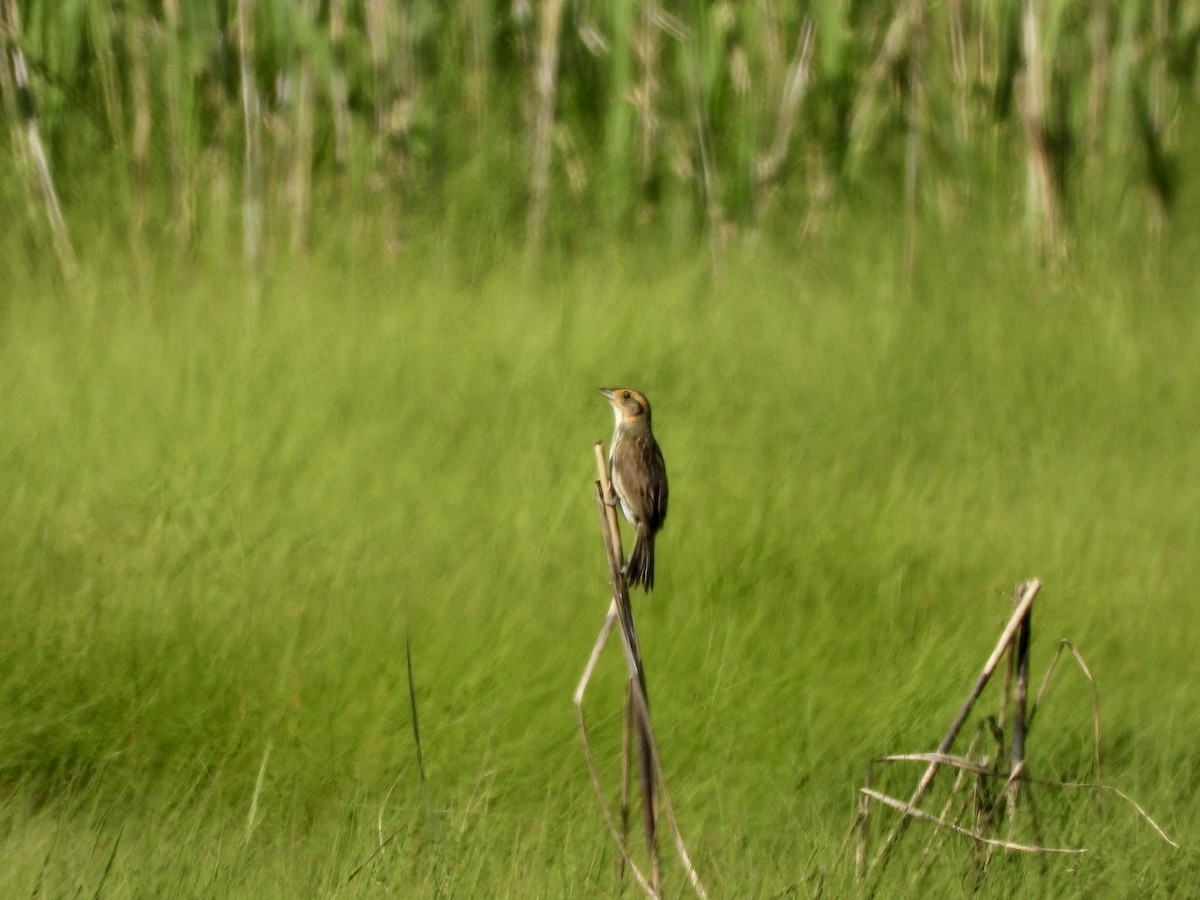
226	517
303	309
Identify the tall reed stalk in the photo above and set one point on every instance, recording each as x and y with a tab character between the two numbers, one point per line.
702	117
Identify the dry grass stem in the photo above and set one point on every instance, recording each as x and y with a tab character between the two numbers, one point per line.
988	805
914	813
1065	644
545	84
1108	788
641	733
1028	592
34	145
251	113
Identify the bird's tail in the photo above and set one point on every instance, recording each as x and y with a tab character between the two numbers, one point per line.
640	567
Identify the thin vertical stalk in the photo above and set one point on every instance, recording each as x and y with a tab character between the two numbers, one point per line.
300	174
1027	592
34	145
545	87
619	114
1098	77
179	142
646	47
386	43
477	27
102	19
251	113
866	112
380	28
912	142
139	84
958	70
1155	115
1041	202
338	91
1021	694
791	98
697	107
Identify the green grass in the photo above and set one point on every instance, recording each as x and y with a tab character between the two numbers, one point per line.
222	520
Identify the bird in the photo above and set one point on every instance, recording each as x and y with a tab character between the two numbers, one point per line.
639	478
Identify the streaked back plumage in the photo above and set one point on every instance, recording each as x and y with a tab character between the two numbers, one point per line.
639	477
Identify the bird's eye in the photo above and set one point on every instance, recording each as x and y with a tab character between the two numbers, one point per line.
627	395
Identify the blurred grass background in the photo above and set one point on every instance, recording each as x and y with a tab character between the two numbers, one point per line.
308	371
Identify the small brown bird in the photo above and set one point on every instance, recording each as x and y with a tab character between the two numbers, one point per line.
639	477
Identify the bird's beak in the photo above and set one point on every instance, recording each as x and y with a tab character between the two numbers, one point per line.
608	393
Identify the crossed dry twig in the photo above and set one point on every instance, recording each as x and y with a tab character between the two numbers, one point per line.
1014	640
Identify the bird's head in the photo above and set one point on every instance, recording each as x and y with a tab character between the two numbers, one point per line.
629	406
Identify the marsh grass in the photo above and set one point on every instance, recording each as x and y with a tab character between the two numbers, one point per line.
227	509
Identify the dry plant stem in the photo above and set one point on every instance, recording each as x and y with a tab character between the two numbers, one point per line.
251	202
646	46
626	756
966	801
668	808
301	139
910	812
768	166
339	98
1087	673
181	192
619	611
1120	793
637	693
33	139
958	55
912	143
139	145
1017	755
700	125
580	690
640	705
991	805
969	765
1028	592
637	677
252	815
549	24
865	115
944	759
864	826
1042	203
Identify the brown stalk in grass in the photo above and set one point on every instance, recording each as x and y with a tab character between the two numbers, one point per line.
1041	198
181	191
702	133
638	727
911	812
1097	88
33	142
866	114
791	98
139	147
1009	768
476	63
301	140
958	71
251	122
389	78
339	94
912	140
544	88
646	46
1028	592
